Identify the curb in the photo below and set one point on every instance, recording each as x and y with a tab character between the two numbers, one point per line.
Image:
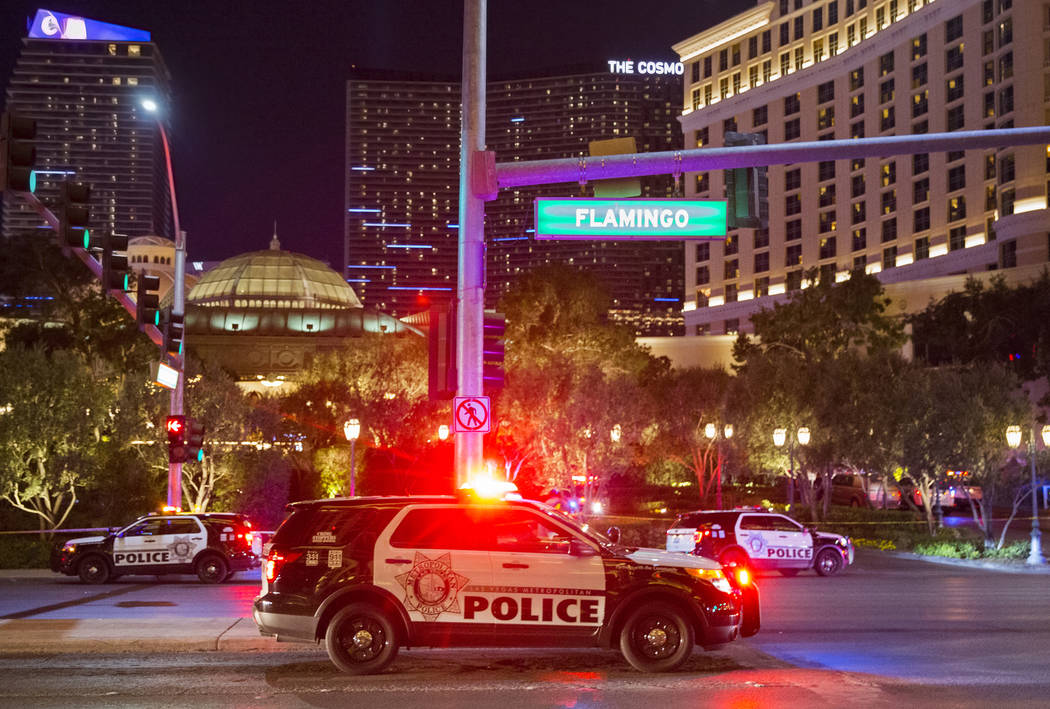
1006	567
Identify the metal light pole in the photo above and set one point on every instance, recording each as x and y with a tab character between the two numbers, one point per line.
713	433
178	306
1013	438
352	429
471	274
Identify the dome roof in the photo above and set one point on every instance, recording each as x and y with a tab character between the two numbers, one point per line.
272	279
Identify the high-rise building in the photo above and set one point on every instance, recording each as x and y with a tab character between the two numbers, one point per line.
839	69
84	81
403	183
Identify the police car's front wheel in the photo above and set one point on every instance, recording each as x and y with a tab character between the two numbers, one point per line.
93	569
828	562
656	638
361	639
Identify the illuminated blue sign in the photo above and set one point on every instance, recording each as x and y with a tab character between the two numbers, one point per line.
58	25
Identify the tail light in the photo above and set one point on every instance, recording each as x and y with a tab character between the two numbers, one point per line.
742	576
698	535
277	560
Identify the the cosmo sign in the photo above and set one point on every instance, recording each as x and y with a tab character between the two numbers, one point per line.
630	219
58	25
629	66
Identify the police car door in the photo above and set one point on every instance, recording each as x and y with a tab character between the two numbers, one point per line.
434	559
792	544
159	541
537	584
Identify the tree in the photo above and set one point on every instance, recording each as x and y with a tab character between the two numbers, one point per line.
54	410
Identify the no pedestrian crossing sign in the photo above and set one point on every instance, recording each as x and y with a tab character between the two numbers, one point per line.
630	219
471	414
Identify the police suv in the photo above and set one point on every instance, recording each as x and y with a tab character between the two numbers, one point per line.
759	539
371	575
213	545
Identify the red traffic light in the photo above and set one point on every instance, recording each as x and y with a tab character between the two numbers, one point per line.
176	425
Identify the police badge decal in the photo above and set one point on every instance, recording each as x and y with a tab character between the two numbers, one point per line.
181	549
431	587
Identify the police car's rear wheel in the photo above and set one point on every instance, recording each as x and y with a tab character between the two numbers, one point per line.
361	639
656	638
212	568
829	562
93	569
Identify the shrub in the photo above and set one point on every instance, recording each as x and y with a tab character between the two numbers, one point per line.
27	551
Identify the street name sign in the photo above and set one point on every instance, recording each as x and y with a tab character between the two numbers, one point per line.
630	219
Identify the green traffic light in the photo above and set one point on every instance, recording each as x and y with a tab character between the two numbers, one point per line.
87	238
200	455
32	180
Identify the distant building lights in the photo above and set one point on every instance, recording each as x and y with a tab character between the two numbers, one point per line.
361	265
453	226
666	300
512	238
689	305
518	119
409	246
363	168
388	224
358	280
417	288
364	210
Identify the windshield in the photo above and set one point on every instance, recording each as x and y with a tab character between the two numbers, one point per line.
584	530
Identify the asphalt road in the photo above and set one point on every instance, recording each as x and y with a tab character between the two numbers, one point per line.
887	632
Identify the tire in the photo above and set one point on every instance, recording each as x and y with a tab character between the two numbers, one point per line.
361	639
828	562
229	576
93	569
789	572
657	637
211	568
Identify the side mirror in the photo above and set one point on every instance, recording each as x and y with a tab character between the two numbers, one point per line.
578	548
613	533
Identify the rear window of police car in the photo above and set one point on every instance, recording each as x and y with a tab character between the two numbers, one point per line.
694	520
335	525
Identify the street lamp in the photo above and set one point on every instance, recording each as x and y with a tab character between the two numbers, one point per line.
178	306
1013	438
443	432
780	437
352	429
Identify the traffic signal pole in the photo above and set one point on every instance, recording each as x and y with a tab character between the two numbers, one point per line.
471	270
178	307
547	172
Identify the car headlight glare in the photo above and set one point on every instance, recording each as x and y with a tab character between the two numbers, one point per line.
69	548
716	577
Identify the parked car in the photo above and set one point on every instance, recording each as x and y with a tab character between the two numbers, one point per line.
846	489
941	494
883	496
759	539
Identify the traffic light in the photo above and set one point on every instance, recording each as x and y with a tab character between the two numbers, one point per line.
194	440
18	153
441	382
115	270
494	328
176	427
146	299
747	189
74	215
171	329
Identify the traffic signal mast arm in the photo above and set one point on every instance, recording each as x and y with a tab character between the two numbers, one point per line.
548	172
123	298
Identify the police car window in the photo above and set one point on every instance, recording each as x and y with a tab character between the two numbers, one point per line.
783	524
519	530
755	522
182	526
324	526
442	528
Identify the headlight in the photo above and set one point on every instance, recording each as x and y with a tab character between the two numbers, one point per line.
69	548
716	576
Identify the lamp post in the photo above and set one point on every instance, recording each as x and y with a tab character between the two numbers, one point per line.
352	429
1013	438
178	306
780	437
712	432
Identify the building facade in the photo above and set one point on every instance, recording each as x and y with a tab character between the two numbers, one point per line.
811	70
83	82
402	186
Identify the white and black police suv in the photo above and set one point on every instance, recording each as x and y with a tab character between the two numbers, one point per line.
371	575
759	539
213	545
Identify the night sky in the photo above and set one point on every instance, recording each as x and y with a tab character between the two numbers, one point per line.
259	128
